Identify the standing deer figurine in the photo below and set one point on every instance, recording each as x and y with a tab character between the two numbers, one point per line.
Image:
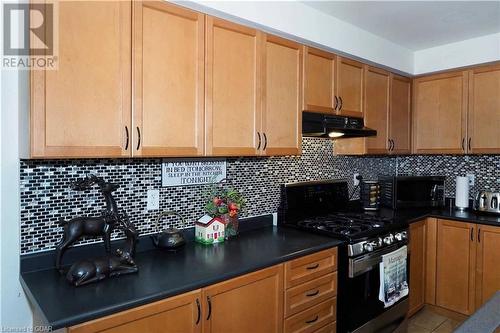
78	227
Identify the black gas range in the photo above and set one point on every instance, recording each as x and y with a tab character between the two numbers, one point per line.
324	207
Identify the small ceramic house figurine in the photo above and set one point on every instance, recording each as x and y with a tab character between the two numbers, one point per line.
210	230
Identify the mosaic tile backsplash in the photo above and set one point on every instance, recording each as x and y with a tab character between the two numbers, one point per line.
46	195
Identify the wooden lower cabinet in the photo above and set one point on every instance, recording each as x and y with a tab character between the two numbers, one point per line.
417	264
310	295
312	319
487	263
454	265
250	303
179	314
455	255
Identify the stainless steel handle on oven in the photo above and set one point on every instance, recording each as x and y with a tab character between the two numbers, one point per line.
367	262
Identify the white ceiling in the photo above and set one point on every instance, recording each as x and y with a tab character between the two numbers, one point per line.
417	25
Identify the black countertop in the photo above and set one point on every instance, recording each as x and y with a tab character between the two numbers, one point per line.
406	216
163	274
413	215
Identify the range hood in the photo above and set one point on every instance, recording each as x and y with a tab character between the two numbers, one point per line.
334	127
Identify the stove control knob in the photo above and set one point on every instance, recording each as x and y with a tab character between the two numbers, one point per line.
399	237
404	234
388	240
368	247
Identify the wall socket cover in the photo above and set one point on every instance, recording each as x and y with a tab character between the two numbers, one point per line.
472	179
153	200
355	179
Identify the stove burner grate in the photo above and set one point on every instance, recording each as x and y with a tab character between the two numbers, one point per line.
349	225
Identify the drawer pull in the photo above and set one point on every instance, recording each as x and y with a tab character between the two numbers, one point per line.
199	311
313	266
209	307
313	294
313	320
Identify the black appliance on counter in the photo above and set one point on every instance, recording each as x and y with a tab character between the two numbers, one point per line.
412	191
323	207
333	126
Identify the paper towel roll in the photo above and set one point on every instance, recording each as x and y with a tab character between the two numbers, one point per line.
462	193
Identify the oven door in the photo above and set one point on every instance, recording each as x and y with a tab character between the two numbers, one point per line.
362	310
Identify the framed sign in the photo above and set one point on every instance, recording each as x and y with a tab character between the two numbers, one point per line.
192	172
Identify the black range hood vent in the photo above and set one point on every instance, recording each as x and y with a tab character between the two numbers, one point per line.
333	126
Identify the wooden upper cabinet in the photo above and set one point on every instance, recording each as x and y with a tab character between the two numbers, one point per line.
484	110
169	80
233	88
455	269
439	116
377	109
400	114
83	109
246	304
349	87
176	314
282	100
488	263
319	78
417	266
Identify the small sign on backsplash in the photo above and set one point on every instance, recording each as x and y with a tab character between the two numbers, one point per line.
192	172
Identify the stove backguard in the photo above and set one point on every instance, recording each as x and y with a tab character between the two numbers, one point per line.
311	199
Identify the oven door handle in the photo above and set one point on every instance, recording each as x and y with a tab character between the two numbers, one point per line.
367	262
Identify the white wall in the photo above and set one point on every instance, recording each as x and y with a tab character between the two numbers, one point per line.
300	22
14	308
465	53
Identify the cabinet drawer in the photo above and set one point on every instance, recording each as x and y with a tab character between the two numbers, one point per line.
310	293
313	318
329	328
310	267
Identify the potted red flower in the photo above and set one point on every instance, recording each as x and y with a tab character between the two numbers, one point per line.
225	203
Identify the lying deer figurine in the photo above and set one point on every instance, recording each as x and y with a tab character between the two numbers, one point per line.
94	270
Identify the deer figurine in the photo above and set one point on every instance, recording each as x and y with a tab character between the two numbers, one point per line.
103	225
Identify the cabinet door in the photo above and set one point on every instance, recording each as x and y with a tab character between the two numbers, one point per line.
417	266
169	81
439	114
282	116
400	114
233	88
488	263
351	146
484	111
377	109
174	315
83	109
246	304
349	87
319	70
455	267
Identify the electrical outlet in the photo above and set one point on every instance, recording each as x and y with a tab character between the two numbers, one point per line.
355	179
153	200
472	179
